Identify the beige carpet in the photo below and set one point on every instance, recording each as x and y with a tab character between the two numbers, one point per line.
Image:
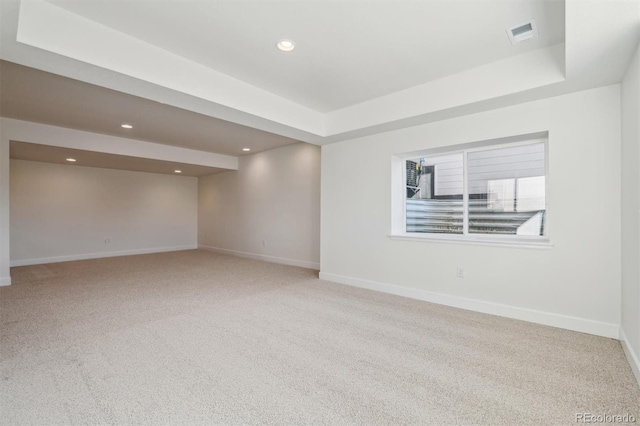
198	338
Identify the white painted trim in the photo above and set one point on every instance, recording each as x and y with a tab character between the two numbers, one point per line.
5	281
632	357
42	260
263	257
582	325
515	242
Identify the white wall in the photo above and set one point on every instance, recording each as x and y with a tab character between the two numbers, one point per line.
64	212
574	284
630	90
269	209
5	278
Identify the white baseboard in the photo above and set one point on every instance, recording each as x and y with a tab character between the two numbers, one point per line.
56	259
632	356
263	257
582	325
4	281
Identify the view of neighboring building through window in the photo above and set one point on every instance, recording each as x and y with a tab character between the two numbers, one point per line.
492	190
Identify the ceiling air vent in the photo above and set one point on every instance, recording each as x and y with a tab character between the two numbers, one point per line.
522	32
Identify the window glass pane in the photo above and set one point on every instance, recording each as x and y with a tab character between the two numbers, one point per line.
507	190
434	194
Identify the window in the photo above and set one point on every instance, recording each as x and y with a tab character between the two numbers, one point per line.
493	190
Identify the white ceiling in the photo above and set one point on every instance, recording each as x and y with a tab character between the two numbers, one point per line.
33	95
405	62
346	52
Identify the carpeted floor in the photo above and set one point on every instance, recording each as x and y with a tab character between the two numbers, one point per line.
198	338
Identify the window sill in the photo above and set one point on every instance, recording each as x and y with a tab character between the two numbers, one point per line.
478	241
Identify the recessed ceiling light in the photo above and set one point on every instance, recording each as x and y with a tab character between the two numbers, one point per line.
71	160
246	149
178	171
286	45
126	126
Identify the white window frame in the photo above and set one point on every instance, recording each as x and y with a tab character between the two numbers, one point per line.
399	196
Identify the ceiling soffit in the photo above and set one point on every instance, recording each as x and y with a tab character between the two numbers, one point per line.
552	70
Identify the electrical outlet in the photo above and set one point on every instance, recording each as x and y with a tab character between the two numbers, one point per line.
107	240
264	243
460	272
